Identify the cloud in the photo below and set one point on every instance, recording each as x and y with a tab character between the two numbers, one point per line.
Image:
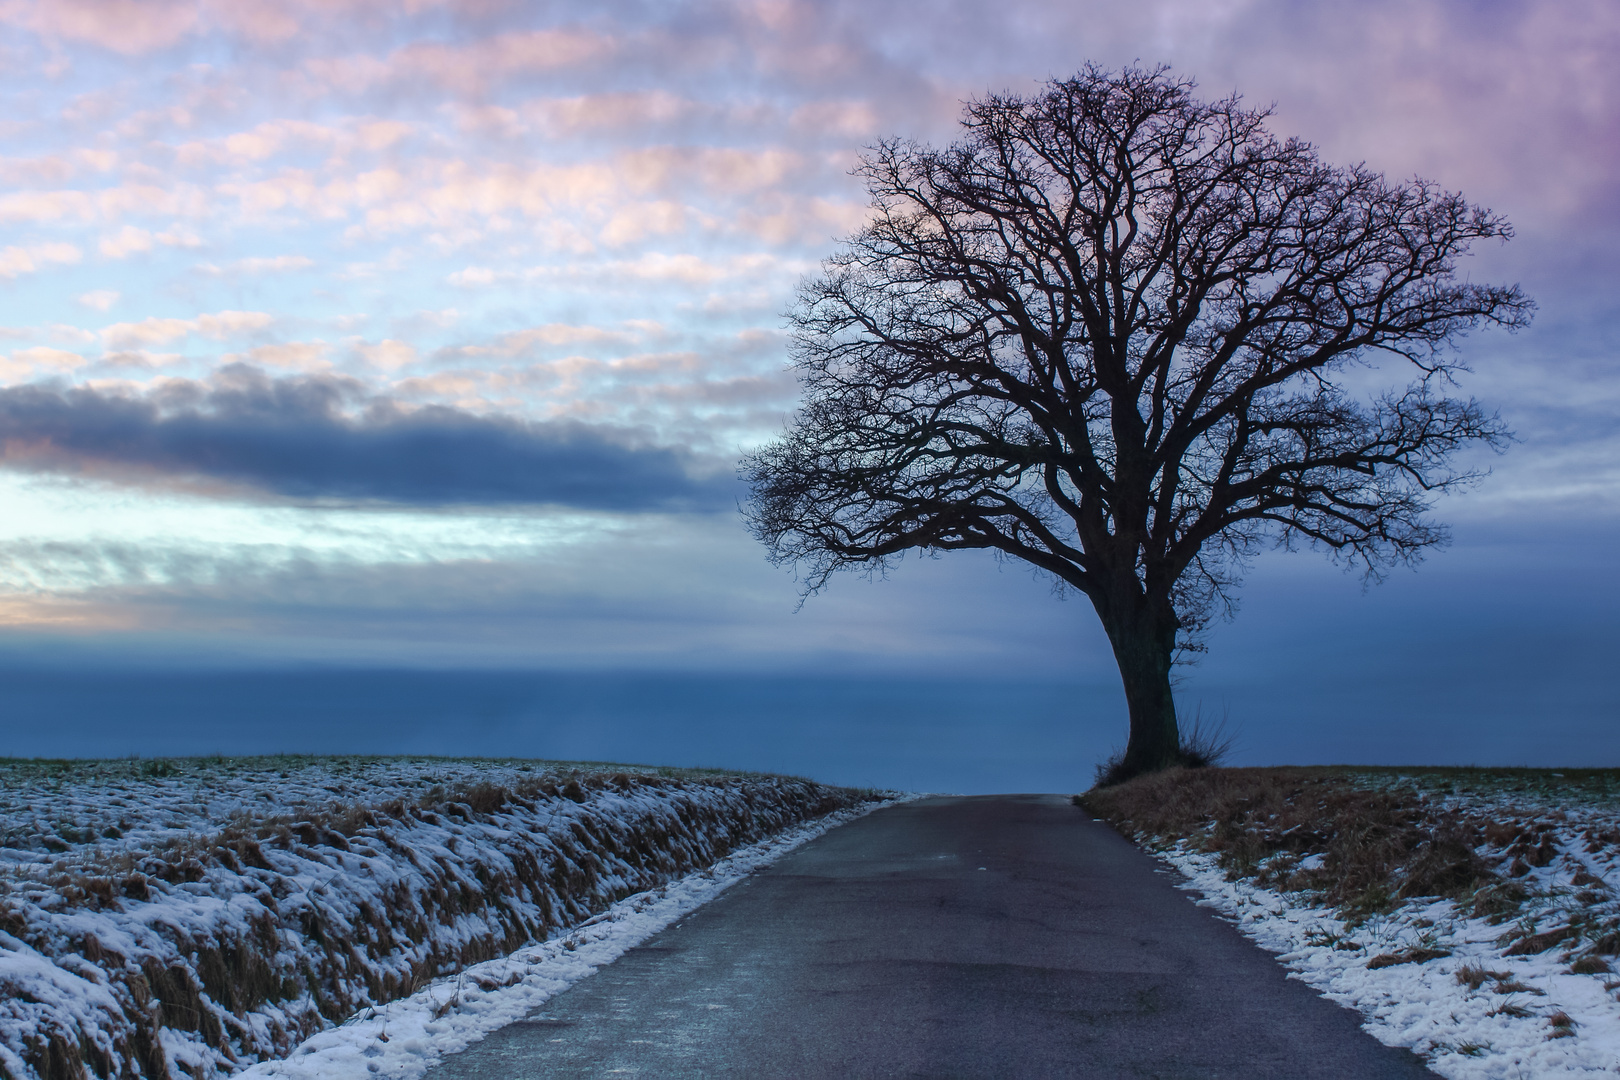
468	69
691	270
124	26
26	363
254	265
136	27
844	119
126	242
718	169
323	437
41	206
389	354
16	261
131	240
52	168
100	299
598	112
308	356
536	339
243	149
472	276
157	331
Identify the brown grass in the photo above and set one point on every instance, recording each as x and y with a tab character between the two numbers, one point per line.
357	952
1378	846
1539	943
1474	977
1406	956
1514	986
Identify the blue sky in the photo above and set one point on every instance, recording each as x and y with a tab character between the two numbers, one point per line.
428	335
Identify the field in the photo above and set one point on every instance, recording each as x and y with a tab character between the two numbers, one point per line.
191	917
1472	915
204	917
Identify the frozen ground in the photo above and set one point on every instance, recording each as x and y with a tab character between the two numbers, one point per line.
1527	992
194	917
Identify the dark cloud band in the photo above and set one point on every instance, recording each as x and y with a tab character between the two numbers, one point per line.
303	438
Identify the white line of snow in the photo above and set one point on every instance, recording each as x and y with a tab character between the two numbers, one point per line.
401	1040
1464	1032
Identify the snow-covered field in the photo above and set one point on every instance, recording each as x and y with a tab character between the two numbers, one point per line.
190	918
1512	978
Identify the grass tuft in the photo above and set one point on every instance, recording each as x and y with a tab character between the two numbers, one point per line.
1406	956
1202	746
1473	976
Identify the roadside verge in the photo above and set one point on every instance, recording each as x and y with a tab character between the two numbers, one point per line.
190	918
1471	915
402	1040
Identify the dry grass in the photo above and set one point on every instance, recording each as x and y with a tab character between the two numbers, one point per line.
1413	955
1473	976
1377	847
232	991
1526	849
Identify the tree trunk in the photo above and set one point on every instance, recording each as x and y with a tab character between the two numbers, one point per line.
1144	646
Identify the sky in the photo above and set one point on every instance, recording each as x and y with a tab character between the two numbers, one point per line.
426	336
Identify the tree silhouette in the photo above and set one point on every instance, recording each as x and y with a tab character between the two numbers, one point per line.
1122	334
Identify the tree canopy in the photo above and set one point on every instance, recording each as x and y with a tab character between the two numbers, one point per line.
1123	335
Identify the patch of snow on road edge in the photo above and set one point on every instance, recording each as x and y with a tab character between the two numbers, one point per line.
1463	1032
403	1039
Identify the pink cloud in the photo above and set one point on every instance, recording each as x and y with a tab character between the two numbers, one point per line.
160	331
1515	103
130	27
303	356
100	299
43	206
25	364
470	69
844	119
724	170
16	261
611	112
135	27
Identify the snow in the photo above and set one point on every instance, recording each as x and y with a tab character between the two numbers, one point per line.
399	1041
1473	1011
338	917
197	917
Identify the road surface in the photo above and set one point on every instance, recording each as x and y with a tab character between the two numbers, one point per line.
995	936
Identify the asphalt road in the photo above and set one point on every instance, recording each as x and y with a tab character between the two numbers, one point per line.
998	936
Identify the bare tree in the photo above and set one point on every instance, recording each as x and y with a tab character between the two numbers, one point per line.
1116	332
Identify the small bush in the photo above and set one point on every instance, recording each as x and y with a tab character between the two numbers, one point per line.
1204	745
